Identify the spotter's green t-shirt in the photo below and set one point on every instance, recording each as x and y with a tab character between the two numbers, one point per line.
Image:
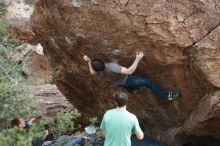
118	125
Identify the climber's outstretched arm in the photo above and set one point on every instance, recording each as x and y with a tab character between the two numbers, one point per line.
132	68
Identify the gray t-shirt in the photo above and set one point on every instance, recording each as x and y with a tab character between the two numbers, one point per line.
113	73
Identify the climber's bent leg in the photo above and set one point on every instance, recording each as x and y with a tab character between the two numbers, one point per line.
135	82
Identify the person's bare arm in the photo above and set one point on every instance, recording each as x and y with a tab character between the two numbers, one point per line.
140	135
31	121
87	59
132	68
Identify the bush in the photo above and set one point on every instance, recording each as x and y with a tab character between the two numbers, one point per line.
62	124
93	120
3	27
19	137
16	102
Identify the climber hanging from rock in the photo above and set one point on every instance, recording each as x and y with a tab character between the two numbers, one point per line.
122	77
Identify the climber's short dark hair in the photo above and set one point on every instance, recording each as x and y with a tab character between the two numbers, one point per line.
98	65
121	98
15	122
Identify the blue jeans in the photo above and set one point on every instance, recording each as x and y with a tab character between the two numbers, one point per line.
135	82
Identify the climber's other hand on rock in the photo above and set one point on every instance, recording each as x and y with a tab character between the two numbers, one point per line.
86	58
139	55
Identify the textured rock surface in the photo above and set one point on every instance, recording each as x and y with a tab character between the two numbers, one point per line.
50	99
35	65
18	14
204	120
181	43
18	10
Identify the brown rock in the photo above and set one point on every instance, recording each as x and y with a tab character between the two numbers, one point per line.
23	32
36	67
49	99
204	120
209	64
175	36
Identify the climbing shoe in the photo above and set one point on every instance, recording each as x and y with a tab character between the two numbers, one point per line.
173	95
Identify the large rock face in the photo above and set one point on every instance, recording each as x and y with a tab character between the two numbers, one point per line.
180	40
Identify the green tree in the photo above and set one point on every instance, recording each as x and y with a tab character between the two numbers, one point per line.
15	99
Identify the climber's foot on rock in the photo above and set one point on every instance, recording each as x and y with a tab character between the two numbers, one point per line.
174	95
